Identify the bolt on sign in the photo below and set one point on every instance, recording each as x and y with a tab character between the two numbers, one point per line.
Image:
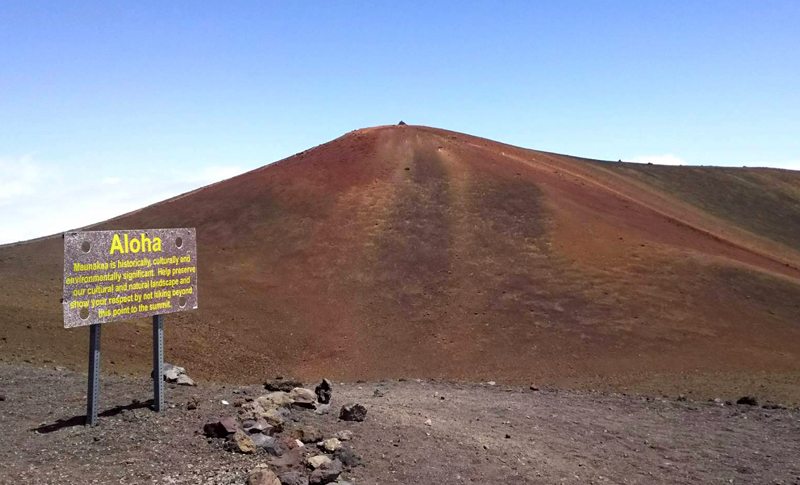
115	275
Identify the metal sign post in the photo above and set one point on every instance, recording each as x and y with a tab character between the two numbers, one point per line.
117	275
94	375
158	363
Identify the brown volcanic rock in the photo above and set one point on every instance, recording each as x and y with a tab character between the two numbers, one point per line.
412	251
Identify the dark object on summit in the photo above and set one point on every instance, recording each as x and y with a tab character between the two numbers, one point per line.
748	400
353	412
323	391
402	123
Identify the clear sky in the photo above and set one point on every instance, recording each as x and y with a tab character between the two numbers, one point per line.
109	106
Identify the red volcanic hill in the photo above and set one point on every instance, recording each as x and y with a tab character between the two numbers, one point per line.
417	252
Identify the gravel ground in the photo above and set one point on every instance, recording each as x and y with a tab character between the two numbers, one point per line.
477	433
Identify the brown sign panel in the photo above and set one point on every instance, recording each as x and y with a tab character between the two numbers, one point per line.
115	275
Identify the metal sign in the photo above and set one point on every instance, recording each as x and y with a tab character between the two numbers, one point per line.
115	275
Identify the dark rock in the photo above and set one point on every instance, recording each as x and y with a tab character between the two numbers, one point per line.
284	385
222	428
2	397
293	478
534	388
274	446
353	412
326	473
347	456
324	391
378	393
402	123
193	403
262	441
682	398
748	400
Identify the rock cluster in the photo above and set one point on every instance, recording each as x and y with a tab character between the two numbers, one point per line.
298	454
177	375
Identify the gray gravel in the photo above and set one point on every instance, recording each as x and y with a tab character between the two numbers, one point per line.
476	434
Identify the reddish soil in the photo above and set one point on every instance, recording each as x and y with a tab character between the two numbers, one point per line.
416	252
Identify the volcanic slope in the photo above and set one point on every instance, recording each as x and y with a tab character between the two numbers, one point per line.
406	251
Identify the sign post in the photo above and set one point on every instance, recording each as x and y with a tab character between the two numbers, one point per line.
158	363
94	374
118	275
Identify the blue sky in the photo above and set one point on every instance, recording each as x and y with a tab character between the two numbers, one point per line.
108	106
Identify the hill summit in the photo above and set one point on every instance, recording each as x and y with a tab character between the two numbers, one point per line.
407	251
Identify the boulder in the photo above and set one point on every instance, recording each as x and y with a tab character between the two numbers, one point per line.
293	478
317	461
240	442
353	412
326	473
222	428
402	123
303	398
262	476
324	391
280	384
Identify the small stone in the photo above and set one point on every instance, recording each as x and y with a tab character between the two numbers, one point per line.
534	388
378	393
323	409
275	400
262	476
2	397
748	401
347	456
331	444
323	391
193	403
303	398
307	434
240	442
353	412
344	435
284	385
428	422
222	428
317	461
184	380
260	425
293	478
326	473
491	383
262	441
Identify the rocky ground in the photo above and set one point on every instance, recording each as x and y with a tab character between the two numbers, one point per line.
414	432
